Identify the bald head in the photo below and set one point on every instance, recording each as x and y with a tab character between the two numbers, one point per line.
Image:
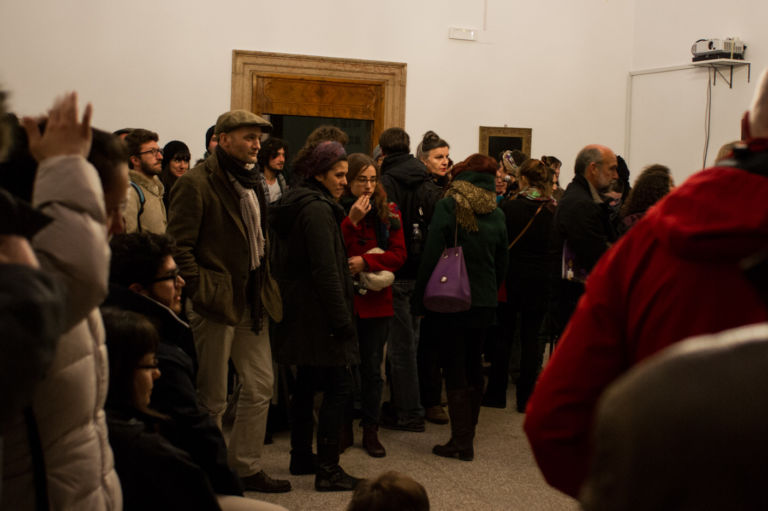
598	165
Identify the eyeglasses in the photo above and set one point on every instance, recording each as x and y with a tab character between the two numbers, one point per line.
172	275
155	151
362	180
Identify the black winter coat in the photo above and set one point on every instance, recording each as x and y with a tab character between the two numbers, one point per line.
583	223
532	259
154	474
174	393
309	263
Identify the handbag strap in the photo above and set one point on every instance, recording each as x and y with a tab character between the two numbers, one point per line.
456	233
525	228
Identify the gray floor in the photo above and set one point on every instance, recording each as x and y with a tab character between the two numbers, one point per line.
503	475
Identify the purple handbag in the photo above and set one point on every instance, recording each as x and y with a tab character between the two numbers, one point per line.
448	288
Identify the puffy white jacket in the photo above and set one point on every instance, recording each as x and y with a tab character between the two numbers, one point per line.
68	404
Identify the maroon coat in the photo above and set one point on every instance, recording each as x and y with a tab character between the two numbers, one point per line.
360	239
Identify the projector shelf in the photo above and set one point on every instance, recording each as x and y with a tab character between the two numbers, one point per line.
718	64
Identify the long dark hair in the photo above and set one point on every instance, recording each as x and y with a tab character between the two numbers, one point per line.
358	162
130	336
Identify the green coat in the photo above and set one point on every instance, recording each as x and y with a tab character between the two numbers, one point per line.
485	252
212	244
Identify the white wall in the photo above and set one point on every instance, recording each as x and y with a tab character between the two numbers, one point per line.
556	66
668	109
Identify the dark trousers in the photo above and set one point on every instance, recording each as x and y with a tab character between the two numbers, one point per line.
372	334
430	377
461	355
531	353
336	384
567	299
498	350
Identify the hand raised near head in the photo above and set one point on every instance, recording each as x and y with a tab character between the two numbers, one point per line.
359	209
64	134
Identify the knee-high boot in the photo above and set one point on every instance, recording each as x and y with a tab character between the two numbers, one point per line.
460	410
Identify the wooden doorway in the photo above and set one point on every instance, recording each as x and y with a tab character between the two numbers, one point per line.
368	95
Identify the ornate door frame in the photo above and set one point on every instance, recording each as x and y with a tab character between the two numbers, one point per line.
251	69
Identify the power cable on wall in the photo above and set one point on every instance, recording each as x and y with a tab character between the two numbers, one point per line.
707	117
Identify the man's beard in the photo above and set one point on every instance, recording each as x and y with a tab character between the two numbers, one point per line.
149	170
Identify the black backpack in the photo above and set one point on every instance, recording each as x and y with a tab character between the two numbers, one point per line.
417	208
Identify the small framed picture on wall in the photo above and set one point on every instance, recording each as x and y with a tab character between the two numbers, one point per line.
496	140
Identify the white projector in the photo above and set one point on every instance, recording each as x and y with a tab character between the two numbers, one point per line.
708	49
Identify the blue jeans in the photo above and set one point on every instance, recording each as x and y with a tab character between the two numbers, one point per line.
372	334
403	341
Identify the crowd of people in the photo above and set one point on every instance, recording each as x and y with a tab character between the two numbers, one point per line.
144	297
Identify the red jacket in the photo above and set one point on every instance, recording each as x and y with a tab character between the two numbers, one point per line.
358	240
676	274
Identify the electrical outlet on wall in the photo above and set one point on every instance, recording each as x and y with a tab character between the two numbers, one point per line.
463	34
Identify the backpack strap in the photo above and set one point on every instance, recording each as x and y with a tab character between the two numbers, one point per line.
140	193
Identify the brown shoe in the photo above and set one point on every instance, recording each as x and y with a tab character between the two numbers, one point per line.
265	484
436	415
371	442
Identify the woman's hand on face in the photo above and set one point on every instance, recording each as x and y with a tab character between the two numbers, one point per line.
356	264
359	209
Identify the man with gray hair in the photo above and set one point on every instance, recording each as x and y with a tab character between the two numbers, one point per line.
582	224
218	218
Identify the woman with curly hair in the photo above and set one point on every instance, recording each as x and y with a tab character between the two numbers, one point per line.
653	183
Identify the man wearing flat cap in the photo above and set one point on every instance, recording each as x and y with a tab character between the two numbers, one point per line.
218	218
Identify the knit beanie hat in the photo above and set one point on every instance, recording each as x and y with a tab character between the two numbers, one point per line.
510	167
324	157
758	113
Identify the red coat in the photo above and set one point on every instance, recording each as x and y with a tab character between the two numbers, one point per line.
676	274
360	239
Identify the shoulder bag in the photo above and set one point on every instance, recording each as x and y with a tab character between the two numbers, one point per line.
448	288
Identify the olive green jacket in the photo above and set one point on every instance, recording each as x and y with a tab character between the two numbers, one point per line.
212	246
485	251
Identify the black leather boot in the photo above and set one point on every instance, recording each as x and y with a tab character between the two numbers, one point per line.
330	476
460	410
